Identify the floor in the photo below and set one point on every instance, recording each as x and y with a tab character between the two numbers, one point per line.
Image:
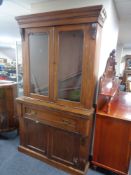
13	162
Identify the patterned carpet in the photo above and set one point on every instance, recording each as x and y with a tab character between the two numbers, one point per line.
13	162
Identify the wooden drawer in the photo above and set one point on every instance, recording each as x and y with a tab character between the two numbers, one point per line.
54	118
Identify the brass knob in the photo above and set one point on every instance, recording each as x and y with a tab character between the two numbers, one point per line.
33	112
36	121
66	122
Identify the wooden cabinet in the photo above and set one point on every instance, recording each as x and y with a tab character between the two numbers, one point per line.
60	62
8	93
112	143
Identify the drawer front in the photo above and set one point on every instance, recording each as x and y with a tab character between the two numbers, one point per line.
52	118
55	119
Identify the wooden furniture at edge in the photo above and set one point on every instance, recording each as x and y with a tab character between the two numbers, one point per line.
112	142
8	93
60	61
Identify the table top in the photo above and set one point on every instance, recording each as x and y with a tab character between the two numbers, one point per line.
120	107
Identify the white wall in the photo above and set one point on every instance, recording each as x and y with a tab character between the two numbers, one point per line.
8	53
110	29
126	51
119	66
109	35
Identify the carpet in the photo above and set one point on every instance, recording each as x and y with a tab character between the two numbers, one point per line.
13	162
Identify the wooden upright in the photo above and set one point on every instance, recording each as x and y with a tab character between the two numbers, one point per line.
60	62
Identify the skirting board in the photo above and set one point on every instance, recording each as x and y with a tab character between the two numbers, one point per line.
108	168
58	165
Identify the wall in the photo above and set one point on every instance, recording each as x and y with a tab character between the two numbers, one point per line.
109	35
110	29
119	66
126	51
7	53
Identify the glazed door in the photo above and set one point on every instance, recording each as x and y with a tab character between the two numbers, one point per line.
73	68
39	48
65	147
36	136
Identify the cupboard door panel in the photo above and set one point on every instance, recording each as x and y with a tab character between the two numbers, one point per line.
36	136
65	147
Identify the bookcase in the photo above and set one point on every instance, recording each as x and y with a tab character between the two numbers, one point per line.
60	64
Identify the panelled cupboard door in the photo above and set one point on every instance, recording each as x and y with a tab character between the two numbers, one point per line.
36	136
39	49
65	147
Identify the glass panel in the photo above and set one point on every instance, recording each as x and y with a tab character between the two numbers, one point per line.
70	65
19	68
39	63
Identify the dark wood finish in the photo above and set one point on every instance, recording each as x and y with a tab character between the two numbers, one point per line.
68	155
53	129
57	164
8	93
112	143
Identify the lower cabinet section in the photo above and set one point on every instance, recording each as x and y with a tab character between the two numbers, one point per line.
57	144
65	145
62	146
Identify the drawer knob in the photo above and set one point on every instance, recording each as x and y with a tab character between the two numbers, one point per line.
66	122
36	121
32	112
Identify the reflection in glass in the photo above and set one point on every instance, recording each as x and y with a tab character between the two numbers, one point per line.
70	65
129	64
38	44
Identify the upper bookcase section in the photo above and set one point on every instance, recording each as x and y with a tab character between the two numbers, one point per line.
91	14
